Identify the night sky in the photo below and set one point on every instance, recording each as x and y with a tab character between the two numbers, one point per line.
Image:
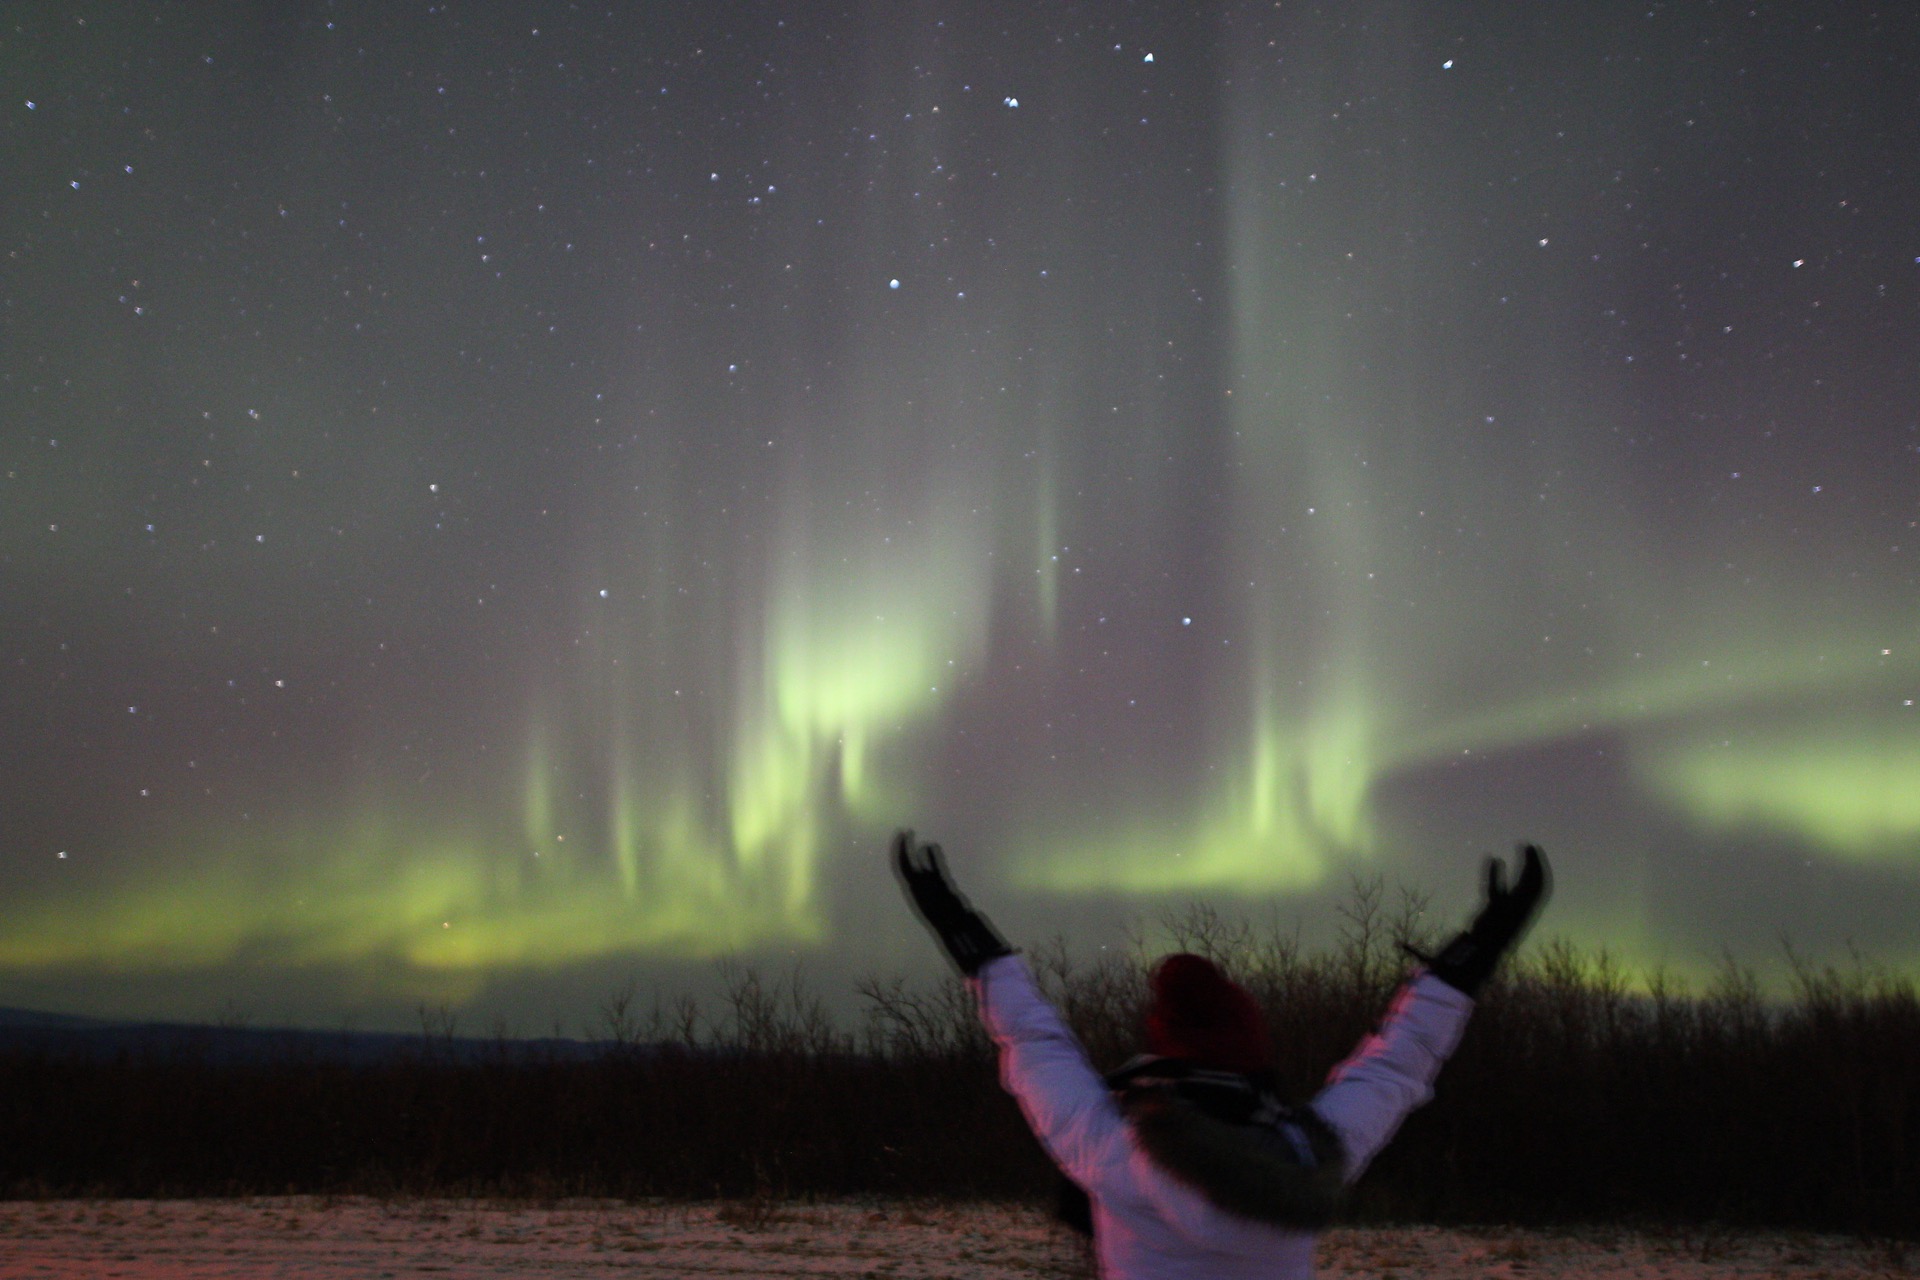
496	498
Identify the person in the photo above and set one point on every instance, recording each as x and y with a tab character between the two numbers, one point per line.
1191	1164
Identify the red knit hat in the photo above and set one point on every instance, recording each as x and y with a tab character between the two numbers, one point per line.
1199	1014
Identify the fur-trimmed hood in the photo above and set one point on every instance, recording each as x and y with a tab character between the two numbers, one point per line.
1230	1138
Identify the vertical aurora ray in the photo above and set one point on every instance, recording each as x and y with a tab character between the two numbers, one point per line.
1415	580
1289	717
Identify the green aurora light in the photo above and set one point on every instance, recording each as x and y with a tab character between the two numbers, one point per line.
1146	514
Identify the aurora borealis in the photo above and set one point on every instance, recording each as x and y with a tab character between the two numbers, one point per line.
494	497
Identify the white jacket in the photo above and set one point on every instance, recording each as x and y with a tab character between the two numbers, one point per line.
1146	1223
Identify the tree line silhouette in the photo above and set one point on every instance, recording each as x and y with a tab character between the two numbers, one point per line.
1581	1093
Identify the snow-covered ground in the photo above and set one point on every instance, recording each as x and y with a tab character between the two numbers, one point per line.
297	1238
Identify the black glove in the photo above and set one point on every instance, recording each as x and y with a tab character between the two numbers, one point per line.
1466	963
964	932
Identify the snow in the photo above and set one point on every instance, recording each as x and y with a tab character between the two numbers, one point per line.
307	1238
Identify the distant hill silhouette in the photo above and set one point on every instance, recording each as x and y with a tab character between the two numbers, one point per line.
65	1035
10	1018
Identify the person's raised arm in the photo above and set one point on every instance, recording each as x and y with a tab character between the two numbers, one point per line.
1391	1073
1042	1064
1468	961
967	937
